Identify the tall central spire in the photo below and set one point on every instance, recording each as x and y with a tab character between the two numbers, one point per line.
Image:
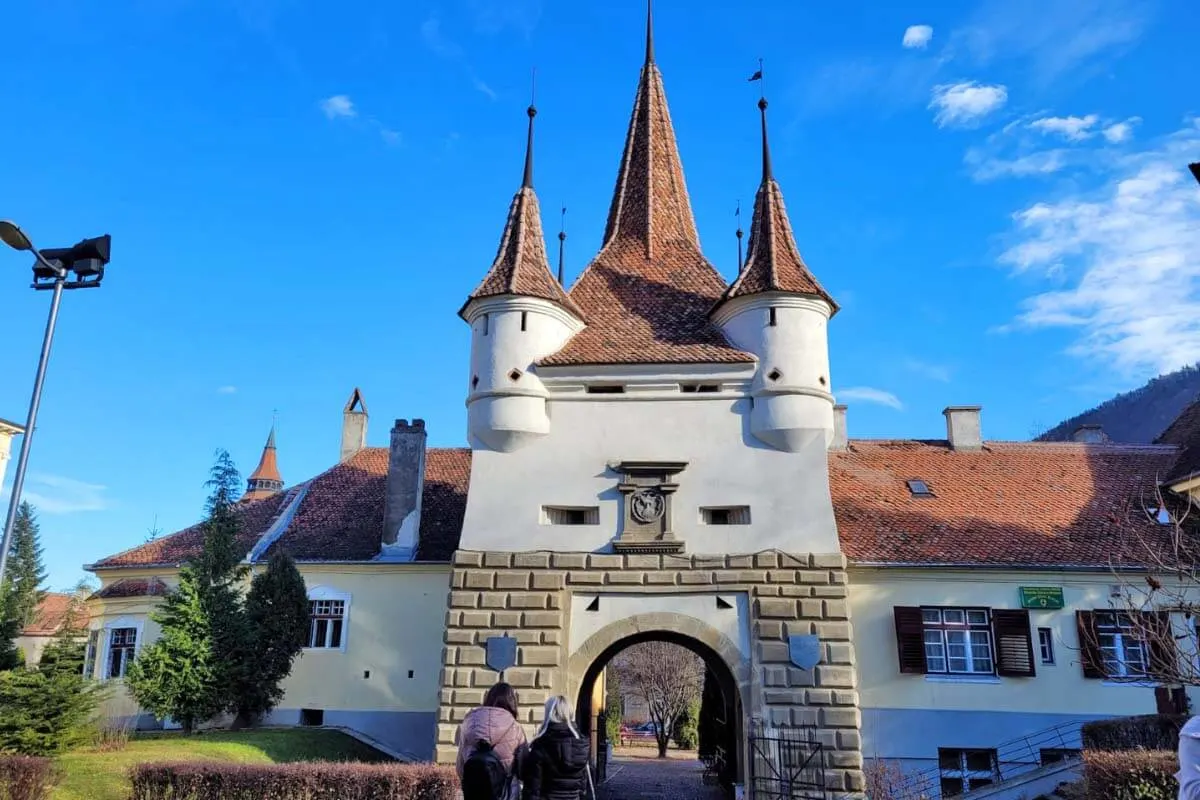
650	204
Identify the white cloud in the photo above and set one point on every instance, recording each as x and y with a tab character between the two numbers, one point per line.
338	106
869	395
431	34
966	103
986	165
226	390
483	88
1073	129
917	37
1121	261
1120	132
391	137
935	372
54	494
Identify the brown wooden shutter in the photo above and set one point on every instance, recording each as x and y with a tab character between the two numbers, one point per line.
910	639
1089	645
1014	643
1164	658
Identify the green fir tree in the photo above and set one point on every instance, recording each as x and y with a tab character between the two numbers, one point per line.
277	629
178	676
68	649
22	589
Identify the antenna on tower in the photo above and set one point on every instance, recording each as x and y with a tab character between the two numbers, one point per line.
740	233
562	240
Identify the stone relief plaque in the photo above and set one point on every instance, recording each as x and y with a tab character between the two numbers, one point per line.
647	488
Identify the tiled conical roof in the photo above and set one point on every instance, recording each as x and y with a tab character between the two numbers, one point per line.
521	266
647	293
265	480
773	262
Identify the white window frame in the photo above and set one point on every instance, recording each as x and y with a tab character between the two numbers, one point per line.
100	667
318	593
1122	644
1046	645
964	774
941	628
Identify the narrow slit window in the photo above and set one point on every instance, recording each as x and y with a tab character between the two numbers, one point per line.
1046	644
570	515
725	515
703	388
524	319
485	324
771	317
606	389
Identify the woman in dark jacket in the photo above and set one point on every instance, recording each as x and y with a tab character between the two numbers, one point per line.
557	765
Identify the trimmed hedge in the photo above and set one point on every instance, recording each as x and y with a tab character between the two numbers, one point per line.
303	781
1149	732
25	778
1131	775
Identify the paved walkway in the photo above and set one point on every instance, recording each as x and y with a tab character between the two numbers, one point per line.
641	778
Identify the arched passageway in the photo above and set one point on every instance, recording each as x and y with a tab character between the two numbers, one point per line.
724	710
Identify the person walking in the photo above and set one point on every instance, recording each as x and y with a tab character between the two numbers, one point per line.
491	747
557	766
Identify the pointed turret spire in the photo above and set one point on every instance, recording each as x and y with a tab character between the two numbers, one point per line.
773	262
521	266
649	31
265	480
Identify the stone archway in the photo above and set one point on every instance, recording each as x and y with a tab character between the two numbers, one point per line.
727	663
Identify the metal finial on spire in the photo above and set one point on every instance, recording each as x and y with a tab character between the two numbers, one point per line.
766	149
527	181
649	31
739	234
562	240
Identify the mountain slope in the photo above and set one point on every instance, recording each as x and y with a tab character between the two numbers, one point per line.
1138	416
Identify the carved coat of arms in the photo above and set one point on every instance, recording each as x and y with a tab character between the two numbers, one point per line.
647	505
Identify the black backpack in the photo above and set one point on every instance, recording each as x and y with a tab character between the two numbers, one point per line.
484	776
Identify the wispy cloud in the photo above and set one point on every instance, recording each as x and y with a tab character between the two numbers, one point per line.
54	494
1073	129
483	88
917	37
391	137
226	390
491	17
435	40
1120	261
966	103
935	372
1120	132
867	394
338	106
1052	38
986	165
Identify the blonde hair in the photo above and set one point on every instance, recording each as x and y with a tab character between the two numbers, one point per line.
558	709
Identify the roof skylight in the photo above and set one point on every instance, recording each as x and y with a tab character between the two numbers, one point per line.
919	488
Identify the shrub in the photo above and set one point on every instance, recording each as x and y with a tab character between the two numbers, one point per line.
686	732
1149	732
612	722
112	735
306	781
44	713
25	778
1130	775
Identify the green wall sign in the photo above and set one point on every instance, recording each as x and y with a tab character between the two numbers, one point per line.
1049	597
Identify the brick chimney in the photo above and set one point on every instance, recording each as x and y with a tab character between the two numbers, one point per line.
963	428
405	483
1089	434
354	425
841	439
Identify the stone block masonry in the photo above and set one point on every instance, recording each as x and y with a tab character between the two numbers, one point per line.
528	596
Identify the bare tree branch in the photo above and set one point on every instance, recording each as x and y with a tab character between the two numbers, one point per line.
667	676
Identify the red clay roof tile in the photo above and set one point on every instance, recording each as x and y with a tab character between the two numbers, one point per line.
1184	433
133	587
53	612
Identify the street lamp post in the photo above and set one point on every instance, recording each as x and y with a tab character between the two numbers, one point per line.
51	269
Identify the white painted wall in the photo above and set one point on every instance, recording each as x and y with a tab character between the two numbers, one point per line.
797	406
503	413
6	437
733	623
788	493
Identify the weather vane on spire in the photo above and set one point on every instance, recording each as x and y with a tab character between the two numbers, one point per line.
762	84
562	240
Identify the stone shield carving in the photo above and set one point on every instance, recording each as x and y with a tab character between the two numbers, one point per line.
804	650
647	505
501	652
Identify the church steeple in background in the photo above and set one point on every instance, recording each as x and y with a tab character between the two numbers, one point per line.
265	480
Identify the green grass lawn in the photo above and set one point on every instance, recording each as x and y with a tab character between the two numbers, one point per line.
92	775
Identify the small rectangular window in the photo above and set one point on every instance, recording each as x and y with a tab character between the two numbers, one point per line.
326	622
312	716
1046	643
704	388
919	488
606	389
771	317
524	319
725	515
122	642
570	515
963	771
485	324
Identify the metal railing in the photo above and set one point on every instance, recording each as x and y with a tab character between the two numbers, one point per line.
1060	744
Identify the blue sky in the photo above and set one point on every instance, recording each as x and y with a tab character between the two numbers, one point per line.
301	195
